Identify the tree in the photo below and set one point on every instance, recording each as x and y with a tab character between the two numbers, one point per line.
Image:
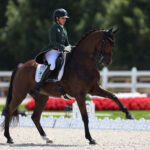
133	37
24	28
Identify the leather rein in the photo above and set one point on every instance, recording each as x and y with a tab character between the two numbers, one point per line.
103	53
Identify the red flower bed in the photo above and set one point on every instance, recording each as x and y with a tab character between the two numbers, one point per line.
134	103
51	104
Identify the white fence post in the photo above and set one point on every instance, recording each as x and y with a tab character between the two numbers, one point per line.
104	77
133	74
90	106
134	79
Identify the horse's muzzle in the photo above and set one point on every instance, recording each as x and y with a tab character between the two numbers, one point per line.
106	62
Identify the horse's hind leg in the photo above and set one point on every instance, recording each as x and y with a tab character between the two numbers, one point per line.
101	92
40	101
10	110
8	117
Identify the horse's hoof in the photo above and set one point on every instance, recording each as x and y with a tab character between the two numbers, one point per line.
129	116
10	141
93	142
49	142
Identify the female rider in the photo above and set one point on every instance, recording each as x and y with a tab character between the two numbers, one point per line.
57	44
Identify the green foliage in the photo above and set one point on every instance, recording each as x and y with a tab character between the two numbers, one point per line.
132	39
24	28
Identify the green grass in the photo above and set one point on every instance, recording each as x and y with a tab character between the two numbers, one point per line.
111	114
20	107
114	114
1	107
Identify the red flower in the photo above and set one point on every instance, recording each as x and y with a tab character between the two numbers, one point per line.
133	103
30	105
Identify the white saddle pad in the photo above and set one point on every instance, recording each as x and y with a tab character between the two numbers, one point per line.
41	68
39	72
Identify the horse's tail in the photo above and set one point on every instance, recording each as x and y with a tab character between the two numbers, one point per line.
5	112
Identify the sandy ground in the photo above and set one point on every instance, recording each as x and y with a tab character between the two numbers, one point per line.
68	139
73	139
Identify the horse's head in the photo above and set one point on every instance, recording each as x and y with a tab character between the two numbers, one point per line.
96	43
104	46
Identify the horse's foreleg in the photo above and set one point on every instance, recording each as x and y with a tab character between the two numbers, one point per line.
82	107
40	102
101	92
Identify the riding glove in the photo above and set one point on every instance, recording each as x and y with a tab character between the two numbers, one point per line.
68	48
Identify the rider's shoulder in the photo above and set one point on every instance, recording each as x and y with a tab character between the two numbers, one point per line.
55	26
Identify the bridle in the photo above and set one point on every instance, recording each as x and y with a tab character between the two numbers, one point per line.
102	53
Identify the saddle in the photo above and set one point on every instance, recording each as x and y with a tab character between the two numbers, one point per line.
56	74
59	64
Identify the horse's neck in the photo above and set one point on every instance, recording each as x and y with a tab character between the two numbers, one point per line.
81	58
84	53
85	65
86	46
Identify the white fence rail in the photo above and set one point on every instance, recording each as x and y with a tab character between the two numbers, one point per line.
3	75
133	75
106	74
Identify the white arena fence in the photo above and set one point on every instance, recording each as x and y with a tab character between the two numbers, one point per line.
137	79
5	78
75	121
133	79
94	123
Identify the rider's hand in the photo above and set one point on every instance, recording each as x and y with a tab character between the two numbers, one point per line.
68	48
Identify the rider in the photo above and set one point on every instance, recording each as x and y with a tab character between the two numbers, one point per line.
58	42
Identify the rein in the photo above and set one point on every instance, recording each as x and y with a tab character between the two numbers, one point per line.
101	55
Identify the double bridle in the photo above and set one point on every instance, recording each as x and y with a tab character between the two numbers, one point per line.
102	53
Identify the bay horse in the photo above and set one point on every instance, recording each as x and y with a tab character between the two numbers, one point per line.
81	76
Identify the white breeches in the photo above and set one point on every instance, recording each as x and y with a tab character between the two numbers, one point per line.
51	57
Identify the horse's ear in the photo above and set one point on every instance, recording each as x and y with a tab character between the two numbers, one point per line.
115	30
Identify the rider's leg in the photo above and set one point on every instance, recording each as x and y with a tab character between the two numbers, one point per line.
44	77
51	57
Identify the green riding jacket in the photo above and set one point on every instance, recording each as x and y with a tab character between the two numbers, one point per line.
58	38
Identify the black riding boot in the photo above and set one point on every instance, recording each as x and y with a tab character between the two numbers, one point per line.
43	79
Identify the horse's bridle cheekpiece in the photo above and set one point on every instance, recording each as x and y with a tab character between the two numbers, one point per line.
108	35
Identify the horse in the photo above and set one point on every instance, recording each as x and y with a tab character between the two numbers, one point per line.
81	76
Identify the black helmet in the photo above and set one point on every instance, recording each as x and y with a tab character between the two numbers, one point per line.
60	13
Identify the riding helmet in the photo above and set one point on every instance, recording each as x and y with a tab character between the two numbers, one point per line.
60	13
